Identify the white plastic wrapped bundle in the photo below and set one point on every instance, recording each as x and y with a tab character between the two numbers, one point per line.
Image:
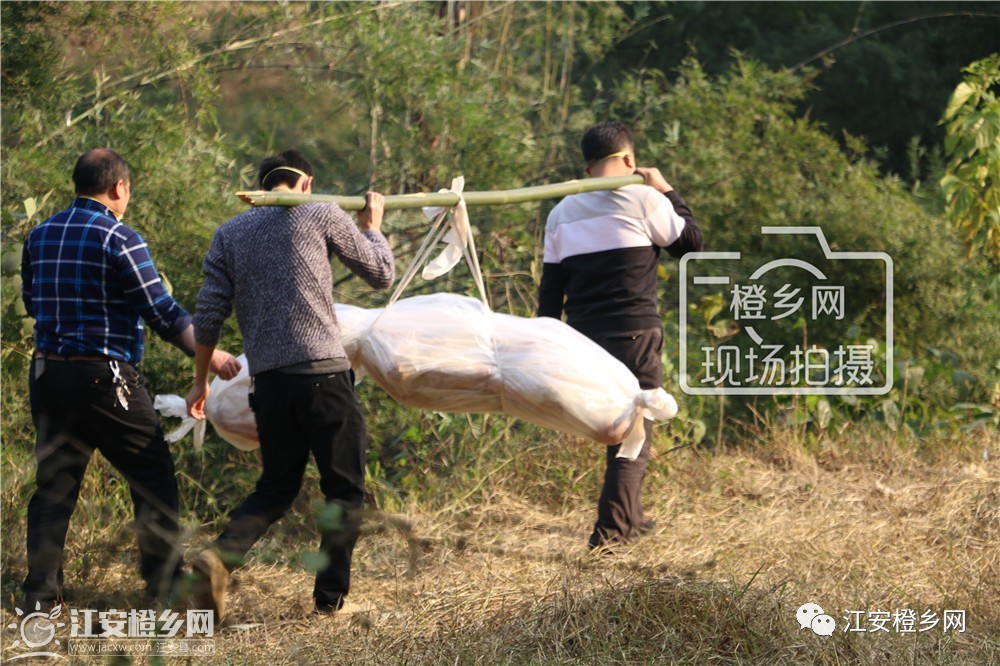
435	352
561	379
450	353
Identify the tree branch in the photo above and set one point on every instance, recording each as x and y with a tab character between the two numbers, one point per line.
855	36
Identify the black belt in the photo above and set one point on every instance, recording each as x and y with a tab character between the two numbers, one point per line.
49	356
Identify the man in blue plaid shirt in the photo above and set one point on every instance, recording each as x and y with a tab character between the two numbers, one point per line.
89	282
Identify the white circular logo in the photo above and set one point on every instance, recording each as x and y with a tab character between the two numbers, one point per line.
36	629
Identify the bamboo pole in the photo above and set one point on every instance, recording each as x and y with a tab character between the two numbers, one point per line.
421	199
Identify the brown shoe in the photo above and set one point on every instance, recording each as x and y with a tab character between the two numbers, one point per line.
211	578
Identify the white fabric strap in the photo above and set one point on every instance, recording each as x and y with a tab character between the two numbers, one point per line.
437	231
456	231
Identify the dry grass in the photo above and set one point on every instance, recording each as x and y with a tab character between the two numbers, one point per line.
744	537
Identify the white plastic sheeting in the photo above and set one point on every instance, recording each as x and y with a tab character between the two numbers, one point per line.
450	353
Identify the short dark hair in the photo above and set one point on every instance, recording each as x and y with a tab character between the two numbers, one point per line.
605	138
272	174
98	170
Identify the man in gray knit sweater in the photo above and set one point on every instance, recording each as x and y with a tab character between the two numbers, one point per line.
273	265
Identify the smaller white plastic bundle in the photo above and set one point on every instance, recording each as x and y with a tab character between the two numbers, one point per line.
228	408
173	406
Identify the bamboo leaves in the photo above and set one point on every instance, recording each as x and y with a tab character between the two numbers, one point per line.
971	183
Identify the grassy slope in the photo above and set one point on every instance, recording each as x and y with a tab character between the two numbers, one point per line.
486	574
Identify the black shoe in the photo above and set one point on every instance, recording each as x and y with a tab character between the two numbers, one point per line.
601	544
32	604
327	608
646	526
346	609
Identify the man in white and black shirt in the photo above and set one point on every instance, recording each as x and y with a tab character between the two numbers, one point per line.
600	267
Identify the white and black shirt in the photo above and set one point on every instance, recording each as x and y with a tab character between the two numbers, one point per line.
601	253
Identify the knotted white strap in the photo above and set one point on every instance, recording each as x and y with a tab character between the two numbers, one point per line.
173	406
456	231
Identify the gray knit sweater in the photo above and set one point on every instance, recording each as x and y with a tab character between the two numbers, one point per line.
273	264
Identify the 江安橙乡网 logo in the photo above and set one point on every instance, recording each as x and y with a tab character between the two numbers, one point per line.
86	632
900	620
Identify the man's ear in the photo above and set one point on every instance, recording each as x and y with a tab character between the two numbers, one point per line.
629	159
119	190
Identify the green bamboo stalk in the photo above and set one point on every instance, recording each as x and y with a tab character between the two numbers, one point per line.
421	199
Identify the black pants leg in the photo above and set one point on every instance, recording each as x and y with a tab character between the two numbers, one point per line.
74	409
61	463
338	443
619	509
296	415
284	455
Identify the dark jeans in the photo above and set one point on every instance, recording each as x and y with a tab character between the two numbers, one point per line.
298	415
75	411
619	509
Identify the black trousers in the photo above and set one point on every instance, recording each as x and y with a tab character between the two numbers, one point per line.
298	415
619	509
75	411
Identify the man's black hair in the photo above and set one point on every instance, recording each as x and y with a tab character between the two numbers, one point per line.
98	170
271	174
604	139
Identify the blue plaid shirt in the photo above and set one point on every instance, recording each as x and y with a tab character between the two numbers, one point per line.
89	282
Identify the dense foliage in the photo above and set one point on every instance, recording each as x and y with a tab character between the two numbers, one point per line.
884	70
402	97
